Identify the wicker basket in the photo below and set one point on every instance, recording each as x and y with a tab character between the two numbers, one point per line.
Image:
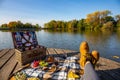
30	55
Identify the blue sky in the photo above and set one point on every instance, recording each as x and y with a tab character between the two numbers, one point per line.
42	11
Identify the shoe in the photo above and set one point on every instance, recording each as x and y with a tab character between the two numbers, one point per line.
84	51
95	57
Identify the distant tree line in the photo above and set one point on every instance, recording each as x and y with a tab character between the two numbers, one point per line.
19	25
94	21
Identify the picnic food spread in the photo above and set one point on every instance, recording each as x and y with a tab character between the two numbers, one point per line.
54	68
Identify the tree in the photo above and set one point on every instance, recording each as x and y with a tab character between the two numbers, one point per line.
12	24
109	25
19	24
117	17
98	18
28	25
52	24
118	24
37	26
59	24
69	25
15	24
81	24
4	26
104	14
63	25
109	18
93	19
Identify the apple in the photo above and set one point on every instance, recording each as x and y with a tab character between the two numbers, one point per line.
35	63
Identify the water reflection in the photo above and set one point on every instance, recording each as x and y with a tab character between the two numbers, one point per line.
106	42
118	35
5	40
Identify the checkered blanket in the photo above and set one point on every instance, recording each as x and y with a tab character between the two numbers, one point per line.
68	64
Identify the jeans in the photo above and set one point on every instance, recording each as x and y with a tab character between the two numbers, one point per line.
89	73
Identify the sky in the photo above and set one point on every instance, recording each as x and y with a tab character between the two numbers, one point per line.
43	11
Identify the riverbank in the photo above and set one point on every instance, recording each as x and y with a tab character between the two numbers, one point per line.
106	69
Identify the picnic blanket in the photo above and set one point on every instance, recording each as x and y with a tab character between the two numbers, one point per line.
61	72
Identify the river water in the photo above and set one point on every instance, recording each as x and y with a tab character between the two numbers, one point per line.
106	42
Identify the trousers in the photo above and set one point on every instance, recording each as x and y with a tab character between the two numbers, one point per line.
89	72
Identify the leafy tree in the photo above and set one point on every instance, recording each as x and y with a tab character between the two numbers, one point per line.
20	24
69	25
109	25
109	18
59	24
98	18
52	24
81	24
118	24
104	14
63	26
117	17
15	24
12	24
28	25
74	24
37	26
93	19
4	26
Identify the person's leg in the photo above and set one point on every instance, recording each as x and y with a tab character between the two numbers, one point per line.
89	72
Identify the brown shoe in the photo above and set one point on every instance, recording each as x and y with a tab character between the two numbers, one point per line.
95	56
84	48
84	51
